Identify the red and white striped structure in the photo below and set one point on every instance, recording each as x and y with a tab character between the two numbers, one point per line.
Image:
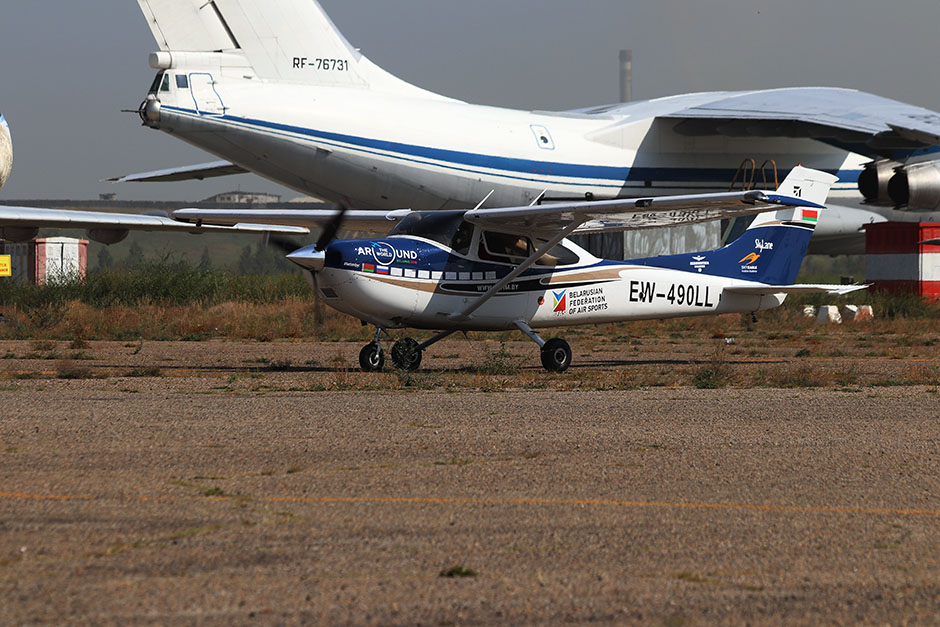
47	259
897	262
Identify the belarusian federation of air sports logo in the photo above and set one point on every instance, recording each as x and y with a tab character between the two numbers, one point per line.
561	301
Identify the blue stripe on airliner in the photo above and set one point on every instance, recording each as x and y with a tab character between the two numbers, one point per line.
607	176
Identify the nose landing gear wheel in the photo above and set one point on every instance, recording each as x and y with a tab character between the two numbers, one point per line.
372	358
556	355
406	354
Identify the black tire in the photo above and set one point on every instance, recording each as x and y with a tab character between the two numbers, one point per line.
556	355
406	355
372	358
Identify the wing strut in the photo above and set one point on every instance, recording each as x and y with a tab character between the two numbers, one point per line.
460	316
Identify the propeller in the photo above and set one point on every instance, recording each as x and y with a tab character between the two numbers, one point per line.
283	244
332	228
288	246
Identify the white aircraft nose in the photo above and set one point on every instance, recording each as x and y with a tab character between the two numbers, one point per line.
6	151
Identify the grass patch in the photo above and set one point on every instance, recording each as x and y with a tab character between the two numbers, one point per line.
458	572
69	370
497	363
714	375
145	371
455	462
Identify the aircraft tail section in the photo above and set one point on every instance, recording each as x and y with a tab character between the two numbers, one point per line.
289	40
771	250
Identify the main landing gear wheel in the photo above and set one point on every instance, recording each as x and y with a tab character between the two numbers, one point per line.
406	354
372	358
556	355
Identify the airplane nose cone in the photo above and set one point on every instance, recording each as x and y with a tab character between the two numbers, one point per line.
6	152
149	110
309	258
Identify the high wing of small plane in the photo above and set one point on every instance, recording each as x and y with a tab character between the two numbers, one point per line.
800	189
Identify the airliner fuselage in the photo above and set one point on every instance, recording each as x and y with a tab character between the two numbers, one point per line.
275	89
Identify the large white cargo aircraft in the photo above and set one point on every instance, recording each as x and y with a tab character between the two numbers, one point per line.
272	87
21	224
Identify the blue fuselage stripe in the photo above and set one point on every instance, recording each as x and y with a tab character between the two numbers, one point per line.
509	167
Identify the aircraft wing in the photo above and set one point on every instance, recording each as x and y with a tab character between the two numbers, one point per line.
197	172
373	221
607	215
633	213
29	217
863	120
767	290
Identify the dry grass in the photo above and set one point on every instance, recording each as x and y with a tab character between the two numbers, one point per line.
290	318
783	349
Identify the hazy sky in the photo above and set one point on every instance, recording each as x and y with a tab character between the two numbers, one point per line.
67	73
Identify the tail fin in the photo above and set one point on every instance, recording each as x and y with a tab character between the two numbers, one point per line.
291	40
771	250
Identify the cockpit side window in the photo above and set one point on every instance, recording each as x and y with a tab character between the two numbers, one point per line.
504	247
514	249
182	81
166	83
155	87
557	256
462	239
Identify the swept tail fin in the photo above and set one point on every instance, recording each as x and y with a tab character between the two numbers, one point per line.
771	250
290	40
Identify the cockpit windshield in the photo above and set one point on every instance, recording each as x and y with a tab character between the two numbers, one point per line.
160	83
444	227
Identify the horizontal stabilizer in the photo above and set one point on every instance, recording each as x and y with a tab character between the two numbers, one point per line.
767	290
197	172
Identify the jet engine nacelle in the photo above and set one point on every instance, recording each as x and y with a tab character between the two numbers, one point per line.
916	187
107	236
873	181
19	234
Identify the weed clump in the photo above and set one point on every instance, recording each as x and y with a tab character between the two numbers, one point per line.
714	374
145	371
457	572
69	370
499	363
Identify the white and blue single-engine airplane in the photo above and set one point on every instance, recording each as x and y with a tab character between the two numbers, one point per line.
272	87
22	224
513	268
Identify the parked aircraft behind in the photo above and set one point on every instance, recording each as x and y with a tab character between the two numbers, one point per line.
6	151
513	268
274	88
